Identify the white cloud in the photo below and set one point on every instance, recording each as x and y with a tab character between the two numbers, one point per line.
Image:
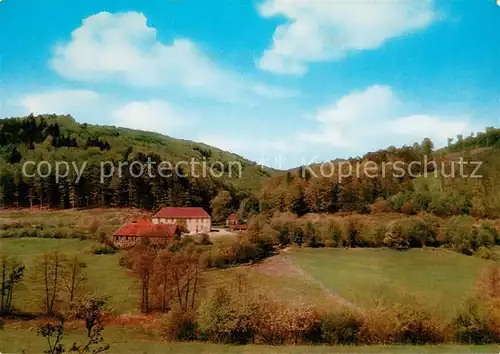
249	144
226	143
278	153
59	101
157	116
273	91
375	118
328	30
122	47
439	128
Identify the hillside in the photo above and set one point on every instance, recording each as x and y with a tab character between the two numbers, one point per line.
60	138
408	179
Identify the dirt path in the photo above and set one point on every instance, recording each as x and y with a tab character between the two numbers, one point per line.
283	265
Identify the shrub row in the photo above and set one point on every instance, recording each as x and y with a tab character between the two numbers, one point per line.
59	232
225	318
461	233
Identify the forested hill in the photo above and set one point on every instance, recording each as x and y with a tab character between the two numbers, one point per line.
60	138
443	190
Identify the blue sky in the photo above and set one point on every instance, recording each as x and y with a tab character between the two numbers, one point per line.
280	82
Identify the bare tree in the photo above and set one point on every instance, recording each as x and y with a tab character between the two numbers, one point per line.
144	267
163	279
167	277
51	266
74	277
186	268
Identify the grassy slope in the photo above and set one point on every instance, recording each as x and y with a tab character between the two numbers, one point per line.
282	287
441	279
108	219
168	148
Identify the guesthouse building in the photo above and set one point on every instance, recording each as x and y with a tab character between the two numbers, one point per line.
195	220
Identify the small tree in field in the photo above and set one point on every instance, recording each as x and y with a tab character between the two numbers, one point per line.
74	277
51	267
11	274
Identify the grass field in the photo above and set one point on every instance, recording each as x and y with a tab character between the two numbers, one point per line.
105	276
438	278
15	338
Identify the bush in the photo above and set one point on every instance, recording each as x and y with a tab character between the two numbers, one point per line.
311	237
103	249
381	206
375	236
395	237
484	253
487	235
77	234
379	327
297	236
398	200
241	251
459	233
473	325
420	234
63	232
330	243
417	326
407	208
180	326
351	231
279	325
331	233
341	327
284	224
8	233
48	233
205	239
224	320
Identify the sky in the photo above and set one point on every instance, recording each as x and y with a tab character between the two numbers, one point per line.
280	82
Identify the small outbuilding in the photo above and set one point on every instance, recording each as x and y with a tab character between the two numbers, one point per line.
232	220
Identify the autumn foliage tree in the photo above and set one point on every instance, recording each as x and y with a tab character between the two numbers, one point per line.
143	266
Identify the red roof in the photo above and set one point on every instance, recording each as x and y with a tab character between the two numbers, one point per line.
182	213
233	217
145	228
